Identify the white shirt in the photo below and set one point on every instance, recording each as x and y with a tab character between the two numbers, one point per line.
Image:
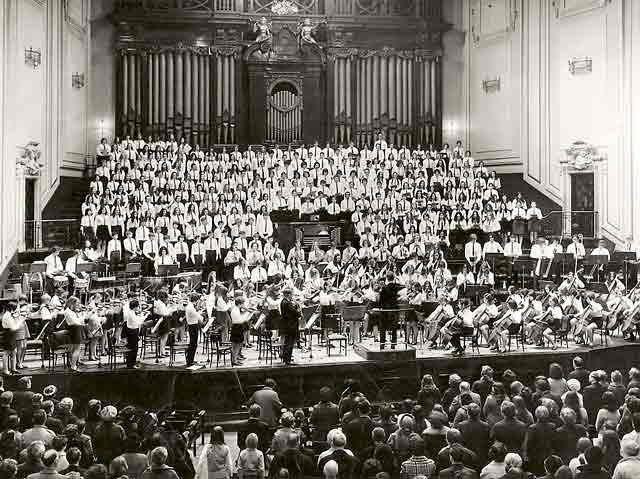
54	263
133	320
491	247
513	249
576	249
192	315
473	250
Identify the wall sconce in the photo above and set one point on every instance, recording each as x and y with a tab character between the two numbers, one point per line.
32	57
491	85
77	80
580	65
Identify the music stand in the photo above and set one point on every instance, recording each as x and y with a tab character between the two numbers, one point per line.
38	268
476	291
524	266
167	269
597	261
624	258
565	259
491	259
85	268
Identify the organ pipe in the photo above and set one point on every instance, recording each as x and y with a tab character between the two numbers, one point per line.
162	94
195	103
410	117
376	88
188	119
125	86
156	94
150	91
171	87
138	87
207	89
392	91
347	87
201	99
132	81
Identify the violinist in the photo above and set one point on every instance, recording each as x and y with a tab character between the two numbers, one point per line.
162	326
22	333
194	320
10	325
75	325
272	302
240	316
133	322
222	307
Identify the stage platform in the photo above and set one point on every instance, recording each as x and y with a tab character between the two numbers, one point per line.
225	389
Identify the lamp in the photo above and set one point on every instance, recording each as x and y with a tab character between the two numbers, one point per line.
491	85
580	65
77	80
32	57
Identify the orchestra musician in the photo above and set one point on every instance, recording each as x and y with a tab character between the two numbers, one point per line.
460	325
133	321
163	258
240	317
75	324
194	319
54	268
10	325
162	317
572	281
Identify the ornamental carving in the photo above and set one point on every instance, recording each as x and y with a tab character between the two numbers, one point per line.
581	155
29	158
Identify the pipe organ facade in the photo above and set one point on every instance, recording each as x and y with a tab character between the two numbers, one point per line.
364	70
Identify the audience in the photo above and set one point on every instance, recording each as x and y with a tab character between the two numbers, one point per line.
348	436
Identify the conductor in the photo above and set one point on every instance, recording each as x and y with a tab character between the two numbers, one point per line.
389	319
290	315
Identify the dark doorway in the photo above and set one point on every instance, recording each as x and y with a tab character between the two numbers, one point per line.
29	214
582	204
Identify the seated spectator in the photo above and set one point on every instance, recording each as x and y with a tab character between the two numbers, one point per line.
159	468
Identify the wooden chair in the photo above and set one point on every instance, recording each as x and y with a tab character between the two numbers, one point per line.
561	334
342	341
519	338
114	350
37	344
220	349
175	348
59	347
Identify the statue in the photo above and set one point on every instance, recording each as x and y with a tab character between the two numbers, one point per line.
30	158
263	27
305	32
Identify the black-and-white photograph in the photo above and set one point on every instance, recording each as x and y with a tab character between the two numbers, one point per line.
320	239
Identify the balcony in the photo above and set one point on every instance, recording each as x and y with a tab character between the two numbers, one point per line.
426	9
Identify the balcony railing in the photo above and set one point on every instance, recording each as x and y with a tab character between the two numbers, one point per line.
568	223
347	8
44	234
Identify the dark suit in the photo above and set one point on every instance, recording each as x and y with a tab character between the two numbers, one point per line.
539	445
444	459
298	465
475	436
260	429
510	433
324	417
358	433
389	321
290	315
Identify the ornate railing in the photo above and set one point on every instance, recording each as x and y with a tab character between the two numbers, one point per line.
359	8
44	234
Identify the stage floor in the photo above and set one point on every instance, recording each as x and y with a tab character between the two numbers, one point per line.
318	356
226	389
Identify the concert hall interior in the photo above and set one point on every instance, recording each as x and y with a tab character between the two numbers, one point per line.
351	227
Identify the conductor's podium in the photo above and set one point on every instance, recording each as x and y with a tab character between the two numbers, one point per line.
401	351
